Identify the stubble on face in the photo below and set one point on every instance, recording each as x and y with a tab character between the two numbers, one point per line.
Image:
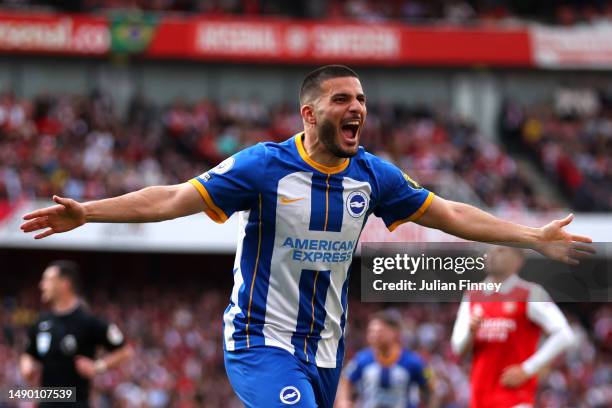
328	135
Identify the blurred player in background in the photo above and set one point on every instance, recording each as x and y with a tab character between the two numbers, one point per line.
385	375
65	339
303	204
503	330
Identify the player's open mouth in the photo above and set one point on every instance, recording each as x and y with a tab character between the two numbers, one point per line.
350	128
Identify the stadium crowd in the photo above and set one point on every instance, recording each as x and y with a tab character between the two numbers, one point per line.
562	12
571	139
178	360
81	147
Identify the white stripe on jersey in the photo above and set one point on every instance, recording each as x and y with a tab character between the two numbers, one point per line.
330	336
228	318
282	305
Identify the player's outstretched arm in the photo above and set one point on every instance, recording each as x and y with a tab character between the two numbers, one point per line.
88	368
151	204
471	223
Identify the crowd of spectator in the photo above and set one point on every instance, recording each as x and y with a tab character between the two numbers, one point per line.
179	362
570	137
81	147
562	12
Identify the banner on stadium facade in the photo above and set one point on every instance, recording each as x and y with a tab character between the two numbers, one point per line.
54	34
284	41
197	233
273	40
265	40
574	47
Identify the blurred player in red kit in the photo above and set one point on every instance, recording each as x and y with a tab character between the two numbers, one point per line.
503	330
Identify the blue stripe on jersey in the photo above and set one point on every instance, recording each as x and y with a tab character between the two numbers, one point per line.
335	204
262	278
311	313
385	378
326	209
250	248
343	300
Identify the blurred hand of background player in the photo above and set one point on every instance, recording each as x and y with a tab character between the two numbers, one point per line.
85	367
475	321
65	216
558	244
513	376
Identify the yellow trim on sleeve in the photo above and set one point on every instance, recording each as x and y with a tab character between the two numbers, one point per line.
321	167
215	213
415	215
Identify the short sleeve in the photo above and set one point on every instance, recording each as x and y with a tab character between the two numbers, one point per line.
31	342
353	371
233	185
401	198
418	371
106	335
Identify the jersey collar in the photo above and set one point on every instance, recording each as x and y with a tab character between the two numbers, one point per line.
321	167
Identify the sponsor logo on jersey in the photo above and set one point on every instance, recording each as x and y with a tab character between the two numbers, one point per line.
286	200
357	203
290	395
320	250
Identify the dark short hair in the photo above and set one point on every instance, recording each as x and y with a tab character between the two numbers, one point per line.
390	317
311	86
69	270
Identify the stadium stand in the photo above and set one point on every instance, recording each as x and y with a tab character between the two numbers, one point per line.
82	148
410	11
177	336
571	139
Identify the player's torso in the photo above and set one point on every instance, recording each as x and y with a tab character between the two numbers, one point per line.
388	386
302	233
63	337
505	337
58	341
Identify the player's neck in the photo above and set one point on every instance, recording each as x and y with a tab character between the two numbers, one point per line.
318	152
65	305
388	355
501	278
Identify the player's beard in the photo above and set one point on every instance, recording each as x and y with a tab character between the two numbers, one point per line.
328	135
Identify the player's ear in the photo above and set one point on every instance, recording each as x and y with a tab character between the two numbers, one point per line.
308	114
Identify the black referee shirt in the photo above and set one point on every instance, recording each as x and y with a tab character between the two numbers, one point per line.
56	339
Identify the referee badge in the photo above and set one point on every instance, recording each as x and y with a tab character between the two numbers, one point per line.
43	342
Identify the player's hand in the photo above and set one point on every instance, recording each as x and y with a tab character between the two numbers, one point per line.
86	367
29	369
475	322
65	216
558	244
513	376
